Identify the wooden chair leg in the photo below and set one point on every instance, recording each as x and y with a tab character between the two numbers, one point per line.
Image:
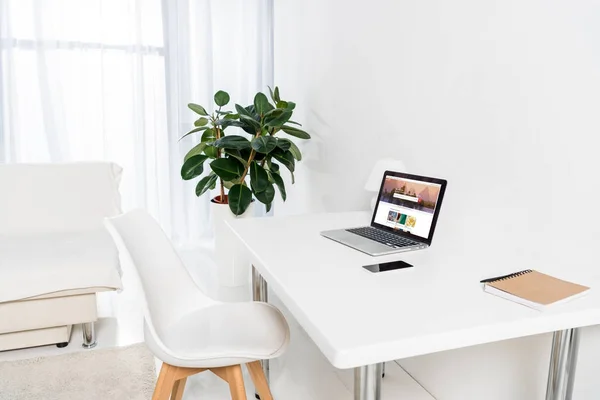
260	382
165	382
178	388
236	382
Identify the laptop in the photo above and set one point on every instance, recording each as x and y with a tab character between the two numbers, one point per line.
404	218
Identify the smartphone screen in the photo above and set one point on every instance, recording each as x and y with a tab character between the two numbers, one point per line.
389	266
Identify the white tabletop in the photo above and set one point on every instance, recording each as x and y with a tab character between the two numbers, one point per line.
358	318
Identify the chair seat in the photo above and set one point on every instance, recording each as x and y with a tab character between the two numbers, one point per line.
35	265
224	334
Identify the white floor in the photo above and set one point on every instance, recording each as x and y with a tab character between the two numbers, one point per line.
302	373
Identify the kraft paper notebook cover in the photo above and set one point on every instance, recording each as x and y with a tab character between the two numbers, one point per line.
534	289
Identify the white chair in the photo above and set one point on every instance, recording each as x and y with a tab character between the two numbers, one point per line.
187	330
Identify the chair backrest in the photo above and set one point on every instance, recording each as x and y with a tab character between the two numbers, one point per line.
169	291
49	198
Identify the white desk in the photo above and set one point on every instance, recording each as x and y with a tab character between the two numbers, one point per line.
359	319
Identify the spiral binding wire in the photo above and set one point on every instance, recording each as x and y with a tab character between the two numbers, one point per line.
511	276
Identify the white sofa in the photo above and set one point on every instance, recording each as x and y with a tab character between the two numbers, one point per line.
55	253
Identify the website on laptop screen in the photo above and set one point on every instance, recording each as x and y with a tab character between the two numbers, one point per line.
408	205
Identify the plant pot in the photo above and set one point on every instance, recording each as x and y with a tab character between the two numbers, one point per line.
232	262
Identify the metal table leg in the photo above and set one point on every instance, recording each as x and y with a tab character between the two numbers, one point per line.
89	335
260	292
367	382
563	361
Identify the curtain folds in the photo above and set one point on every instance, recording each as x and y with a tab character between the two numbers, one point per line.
111	79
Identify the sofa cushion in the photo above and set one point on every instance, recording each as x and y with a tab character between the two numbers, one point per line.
34	265
45	198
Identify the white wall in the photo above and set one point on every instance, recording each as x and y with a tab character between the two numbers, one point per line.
500	97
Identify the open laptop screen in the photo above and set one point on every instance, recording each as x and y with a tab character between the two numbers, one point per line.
409	205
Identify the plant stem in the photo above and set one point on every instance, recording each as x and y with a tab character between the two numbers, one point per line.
250	159
218	135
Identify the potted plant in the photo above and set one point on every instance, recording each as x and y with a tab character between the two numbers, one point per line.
247	163
248	166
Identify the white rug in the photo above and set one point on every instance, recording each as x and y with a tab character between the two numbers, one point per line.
125	373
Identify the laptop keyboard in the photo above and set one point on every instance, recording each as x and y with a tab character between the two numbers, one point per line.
381	236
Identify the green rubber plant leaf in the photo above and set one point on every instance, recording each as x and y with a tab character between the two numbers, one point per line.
233	142
198	109
259	179
206	183
267	195
261	104
276	94
280	120
193	167
209	135
242	111
299	133
250	123
280	185
272	166
202	128
240	198
284	144
227	168
290	105
264	144
241	155
221	98
295	151
201	121
197	149
211	151
286	158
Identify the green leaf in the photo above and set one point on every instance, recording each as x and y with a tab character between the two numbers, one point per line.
223	112
221	98
227	168
272	94
250	122
201	121
280	120
241	155
290	105
198	109
206	183
276	112
193	167
231	116
280	185
282	104
209	135
261	104
272	166
228	184
284	144
233	142
277	98
294	122
295	151
203	128
268	206
299	133
286	158
264	144
242	111
211	151
259	179
196	150
267	195
240	198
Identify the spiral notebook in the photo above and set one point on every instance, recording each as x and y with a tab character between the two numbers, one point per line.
533	289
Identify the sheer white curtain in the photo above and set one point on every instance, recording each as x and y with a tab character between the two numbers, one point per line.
110	80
